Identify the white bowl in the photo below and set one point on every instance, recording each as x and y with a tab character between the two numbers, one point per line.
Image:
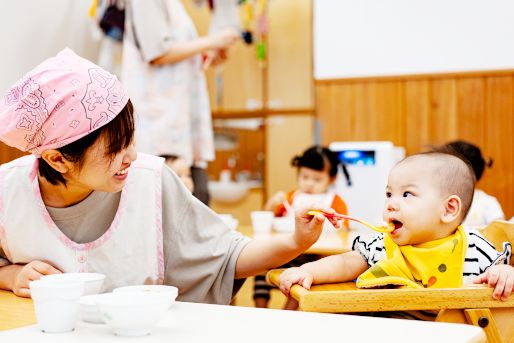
171	291
284	224
92	281
227	191
133	313
89	311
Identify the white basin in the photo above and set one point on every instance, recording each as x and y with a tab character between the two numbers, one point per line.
227	191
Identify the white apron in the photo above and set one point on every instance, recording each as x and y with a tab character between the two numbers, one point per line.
130	252
304	200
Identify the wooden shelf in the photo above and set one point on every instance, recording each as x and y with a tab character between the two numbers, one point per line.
233	114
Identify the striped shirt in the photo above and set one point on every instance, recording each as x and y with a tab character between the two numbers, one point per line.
480	254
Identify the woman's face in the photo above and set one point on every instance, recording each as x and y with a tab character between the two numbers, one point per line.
100	171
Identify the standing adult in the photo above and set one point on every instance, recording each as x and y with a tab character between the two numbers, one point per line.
163	74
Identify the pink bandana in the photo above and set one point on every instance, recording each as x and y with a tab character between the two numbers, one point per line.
60	101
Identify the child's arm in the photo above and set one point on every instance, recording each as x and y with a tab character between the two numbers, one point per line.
16	278
275	202
265	253
331	269
501	277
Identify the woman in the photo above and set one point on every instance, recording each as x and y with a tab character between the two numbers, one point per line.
162	71
84	201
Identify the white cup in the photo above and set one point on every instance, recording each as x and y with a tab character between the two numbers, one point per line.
56	304
262	222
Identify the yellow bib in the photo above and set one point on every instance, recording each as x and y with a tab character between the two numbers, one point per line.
437	264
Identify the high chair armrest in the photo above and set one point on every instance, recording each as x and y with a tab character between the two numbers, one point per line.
345	297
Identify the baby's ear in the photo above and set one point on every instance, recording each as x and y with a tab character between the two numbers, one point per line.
452	209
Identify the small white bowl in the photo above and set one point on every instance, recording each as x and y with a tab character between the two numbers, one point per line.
89	311
133	313
284	224
171	291
92	281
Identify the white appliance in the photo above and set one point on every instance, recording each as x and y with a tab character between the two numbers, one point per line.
368	164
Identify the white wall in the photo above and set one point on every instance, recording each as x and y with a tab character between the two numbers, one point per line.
33	30
394	37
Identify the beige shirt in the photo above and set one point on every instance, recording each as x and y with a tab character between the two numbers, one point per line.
200	252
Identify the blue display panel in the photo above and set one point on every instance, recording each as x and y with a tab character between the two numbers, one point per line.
357	157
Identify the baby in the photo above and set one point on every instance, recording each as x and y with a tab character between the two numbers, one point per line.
427	198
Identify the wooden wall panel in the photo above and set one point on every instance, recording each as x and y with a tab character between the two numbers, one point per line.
8	154
419	111
499	180
443	119
290	60
417	115
471	109
388	112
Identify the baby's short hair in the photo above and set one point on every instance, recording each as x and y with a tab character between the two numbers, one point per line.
453	173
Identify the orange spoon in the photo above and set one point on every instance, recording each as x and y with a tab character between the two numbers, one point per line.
389	228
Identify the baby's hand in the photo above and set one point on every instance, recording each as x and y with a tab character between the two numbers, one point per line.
30	272
501	277
292	276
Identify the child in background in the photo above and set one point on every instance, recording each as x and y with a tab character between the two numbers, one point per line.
317	171
428	196
485	208
179	166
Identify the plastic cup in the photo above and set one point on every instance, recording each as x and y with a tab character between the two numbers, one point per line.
56	304
262	221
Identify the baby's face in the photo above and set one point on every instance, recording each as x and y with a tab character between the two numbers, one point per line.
414	203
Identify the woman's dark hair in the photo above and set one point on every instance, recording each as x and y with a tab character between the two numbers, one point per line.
118	133
472	154
320	158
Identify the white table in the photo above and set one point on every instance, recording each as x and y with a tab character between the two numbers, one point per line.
188	322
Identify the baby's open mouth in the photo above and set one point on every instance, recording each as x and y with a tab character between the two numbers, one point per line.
397	224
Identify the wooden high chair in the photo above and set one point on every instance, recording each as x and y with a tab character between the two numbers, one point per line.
471	304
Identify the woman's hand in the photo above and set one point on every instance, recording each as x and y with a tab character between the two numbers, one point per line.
213	58
30	272
308	227
224	39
